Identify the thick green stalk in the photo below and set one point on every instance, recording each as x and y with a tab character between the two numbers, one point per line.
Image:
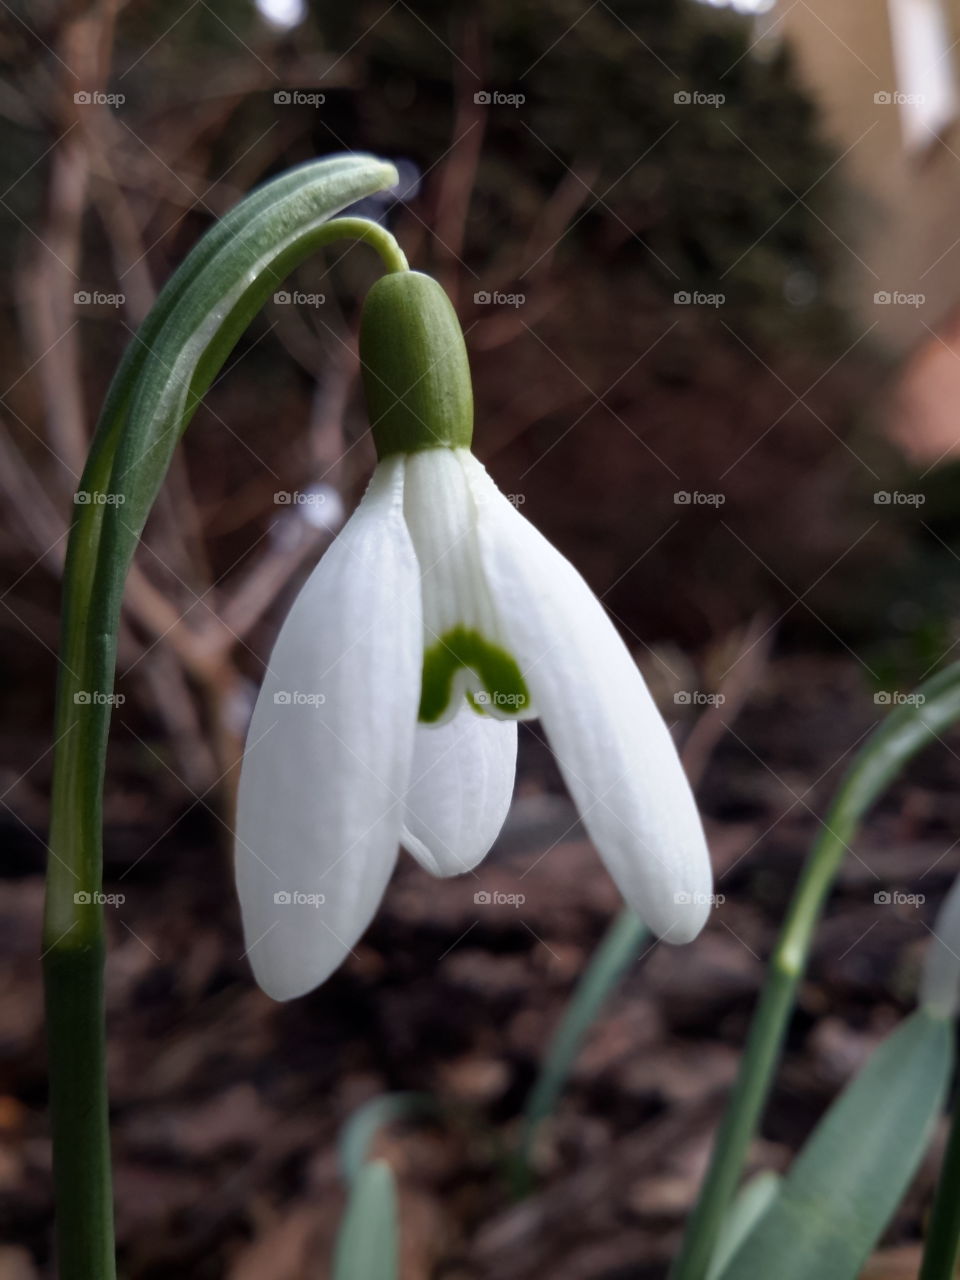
941	1253
170	364
901	735
73	976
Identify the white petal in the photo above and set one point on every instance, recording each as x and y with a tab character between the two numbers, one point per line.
613	748
329	750
461	784
463	647
440	515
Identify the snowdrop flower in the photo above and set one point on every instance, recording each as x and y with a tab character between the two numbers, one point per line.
438	618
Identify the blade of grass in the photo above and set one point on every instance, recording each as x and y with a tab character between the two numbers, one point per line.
367	1243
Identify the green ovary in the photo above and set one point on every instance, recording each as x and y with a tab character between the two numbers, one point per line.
505	692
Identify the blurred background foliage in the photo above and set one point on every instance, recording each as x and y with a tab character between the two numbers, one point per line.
599	200
600	398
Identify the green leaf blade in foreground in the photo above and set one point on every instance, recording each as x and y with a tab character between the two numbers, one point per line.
845	1185
367	1242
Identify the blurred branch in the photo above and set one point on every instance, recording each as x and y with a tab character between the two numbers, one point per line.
264	582
48	321
459	172
743	675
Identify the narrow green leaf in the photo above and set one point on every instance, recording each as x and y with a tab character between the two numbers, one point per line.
367	1243
750	1204
849	1178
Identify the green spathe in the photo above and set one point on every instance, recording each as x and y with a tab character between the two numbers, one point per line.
496	669
416	376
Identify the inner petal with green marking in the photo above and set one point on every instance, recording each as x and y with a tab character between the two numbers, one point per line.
464	654
448	666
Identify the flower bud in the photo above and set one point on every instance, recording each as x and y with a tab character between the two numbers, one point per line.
416	376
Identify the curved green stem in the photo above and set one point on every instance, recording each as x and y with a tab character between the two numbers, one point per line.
170	364
901	735
371	233
941	1252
